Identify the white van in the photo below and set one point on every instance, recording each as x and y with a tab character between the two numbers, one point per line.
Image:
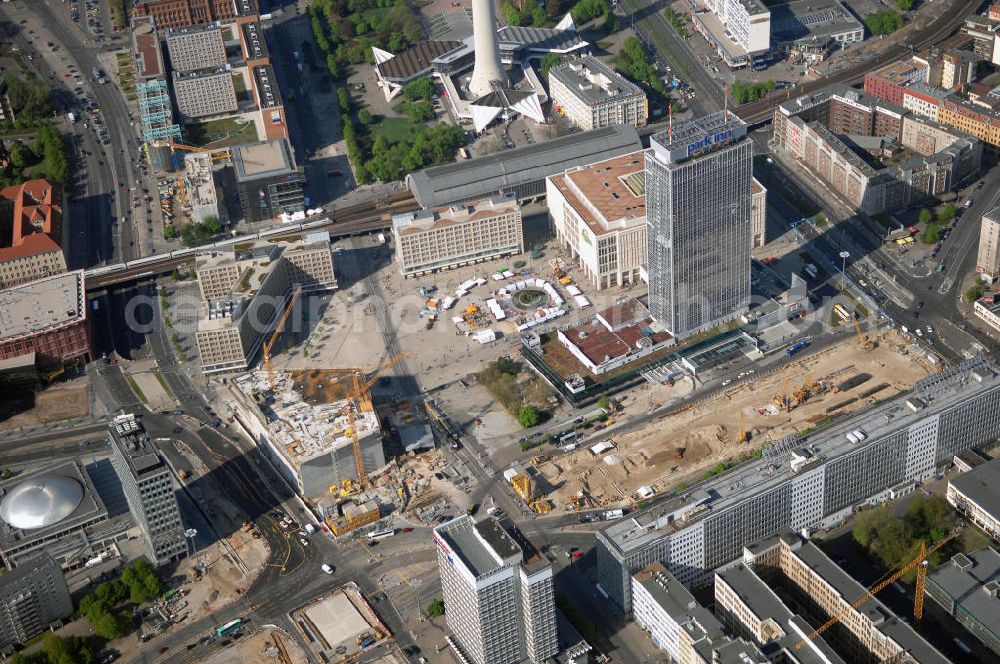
326	568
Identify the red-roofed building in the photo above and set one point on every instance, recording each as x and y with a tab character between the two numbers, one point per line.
616	336
30	232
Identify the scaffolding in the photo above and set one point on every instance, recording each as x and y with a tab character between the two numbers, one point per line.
155	112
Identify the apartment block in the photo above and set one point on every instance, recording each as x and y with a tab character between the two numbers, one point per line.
591	95
739	30
443	238
244	291
968	588
598	213
32	597
680	626
698	235
205	92
923	100
988	258
149	488
195	48
976	494
974	120
788	568
498	590
807	483
823	131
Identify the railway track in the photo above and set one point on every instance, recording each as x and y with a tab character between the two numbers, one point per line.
760	112
353	220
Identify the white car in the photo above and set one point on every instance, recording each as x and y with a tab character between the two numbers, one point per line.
930	330
304	541
326	568
727	382
750	371
920	332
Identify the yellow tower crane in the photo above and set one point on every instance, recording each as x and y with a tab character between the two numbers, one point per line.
274	337
918	601
356	399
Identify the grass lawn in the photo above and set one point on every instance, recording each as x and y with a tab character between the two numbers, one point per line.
117	8
135	388
394	129
220	133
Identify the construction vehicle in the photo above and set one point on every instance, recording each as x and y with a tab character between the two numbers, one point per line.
540	459
679	453
781	399
863	342
247	526
744	435
542	506
522	486
891	576
274	337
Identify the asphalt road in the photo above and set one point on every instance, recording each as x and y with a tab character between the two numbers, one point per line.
104	198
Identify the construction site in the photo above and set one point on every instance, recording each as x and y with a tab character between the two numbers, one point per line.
341	625
653	454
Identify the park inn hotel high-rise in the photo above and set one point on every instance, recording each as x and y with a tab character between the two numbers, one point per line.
698	190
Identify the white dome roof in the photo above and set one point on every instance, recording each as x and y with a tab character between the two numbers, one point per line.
41	501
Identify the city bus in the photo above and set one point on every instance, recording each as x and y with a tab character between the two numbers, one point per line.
229	627
376	535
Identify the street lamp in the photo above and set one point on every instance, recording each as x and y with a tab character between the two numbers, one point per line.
844	255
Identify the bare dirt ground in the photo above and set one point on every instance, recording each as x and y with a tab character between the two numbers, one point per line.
708	432
263	646
55	404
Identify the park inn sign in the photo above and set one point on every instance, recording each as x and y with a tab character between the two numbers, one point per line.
710	141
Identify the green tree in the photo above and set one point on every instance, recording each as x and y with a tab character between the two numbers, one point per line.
587	10
7	474
610	23
932	234
21	156
552	8
527	416
343	100
976	291
947	213
604	402
31	101
365	117
549	60
112	625
925	216
141	581
511	13
419	89
436	608
507	366
904	5
883	22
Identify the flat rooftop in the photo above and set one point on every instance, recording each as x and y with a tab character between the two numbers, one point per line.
540	39
691	136
253	40
592	81
266	84
967	579
481	177
130	436
41	305
483	547
337	620
810	19
146	51
608	194
303	416
425	220
261	160
932	394
981	485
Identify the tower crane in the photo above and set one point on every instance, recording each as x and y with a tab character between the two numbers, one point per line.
918	602
354	400
274	337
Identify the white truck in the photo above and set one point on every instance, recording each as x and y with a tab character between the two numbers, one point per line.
310	529
610	515
72	118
